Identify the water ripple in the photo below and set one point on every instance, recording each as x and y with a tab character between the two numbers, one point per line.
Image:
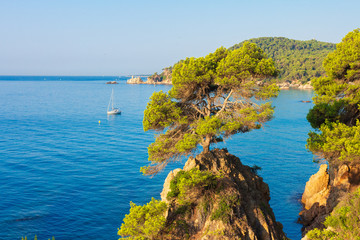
65	175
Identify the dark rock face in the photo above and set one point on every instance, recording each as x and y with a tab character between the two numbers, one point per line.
236	208
325	190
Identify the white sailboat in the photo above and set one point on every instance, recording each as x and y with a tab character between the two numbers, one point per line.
111	110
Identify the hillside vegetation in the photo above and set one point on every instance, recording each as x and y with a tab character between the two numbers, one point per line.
296	60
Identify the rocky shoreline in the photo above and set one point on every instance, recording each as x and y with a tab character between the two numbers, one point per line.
285	85
295	85
324	191
139	80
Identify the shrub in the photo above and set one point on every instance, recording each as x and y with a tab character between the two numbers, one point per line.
185	180
144	222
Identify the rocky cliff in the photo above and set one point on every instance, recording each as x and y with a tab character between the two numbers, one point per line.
162	78
230	202
135	80
325	190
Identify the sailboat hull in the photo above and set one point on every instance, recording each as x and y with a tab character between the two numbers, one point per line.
114	112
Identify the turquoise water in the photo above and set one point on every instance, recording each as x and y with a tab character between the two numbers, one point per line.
65	175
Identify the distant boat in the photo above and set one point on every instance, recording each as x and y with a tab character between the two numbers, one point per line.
111	110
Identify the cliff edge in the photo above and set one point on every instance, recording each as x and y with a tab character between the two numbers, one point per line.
325	190
230	202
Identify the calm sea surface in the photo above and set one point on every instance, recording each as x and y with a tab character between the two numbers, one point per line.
63	174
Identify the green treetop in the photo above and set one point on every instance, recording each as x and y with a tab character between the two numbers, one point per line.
211	99
297	60
336	113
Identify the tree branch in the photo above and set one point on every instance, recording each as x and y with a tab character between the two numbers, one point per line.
209	104
197	109
225	103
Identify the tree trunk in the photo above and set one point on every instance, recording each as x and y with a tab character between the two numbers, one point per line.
206	144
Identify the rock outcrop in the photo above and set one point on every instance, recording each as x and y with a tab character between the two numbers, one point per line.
135	80
236	207
295	85
324	191
164	78
112	82
166	188
317	188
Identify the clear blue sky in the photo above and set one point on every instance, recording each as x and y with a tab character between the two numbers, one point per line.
120	37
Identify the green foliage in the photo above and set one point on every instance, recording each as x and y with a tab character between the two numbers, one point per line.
318	234
336	113
225	208
211	99
323	112
242	63
209	125
343	223
186	180
144	222
297	60
161	112
337	140
188	142
344	62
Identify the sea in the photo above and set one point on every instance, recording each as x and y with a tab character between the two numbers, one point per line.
69	170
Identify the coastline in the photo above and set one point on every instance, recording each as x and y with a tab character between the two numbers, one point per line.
283	86
138	80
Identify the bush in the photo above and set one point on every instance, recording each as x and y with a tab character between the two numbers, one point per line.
336	140
185	180
144	222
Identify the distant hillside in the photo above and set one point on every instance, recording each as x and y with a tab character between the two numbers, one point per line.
296	60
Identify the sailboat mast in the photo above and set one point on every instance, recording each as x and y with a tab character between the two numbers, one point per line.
109	103
112	99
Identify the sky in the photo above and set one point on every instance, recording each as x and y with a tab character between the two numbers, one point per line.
126	37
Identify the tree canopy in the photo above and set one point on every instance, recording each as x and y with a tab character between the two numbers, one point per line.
297	60
211	99
336	113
